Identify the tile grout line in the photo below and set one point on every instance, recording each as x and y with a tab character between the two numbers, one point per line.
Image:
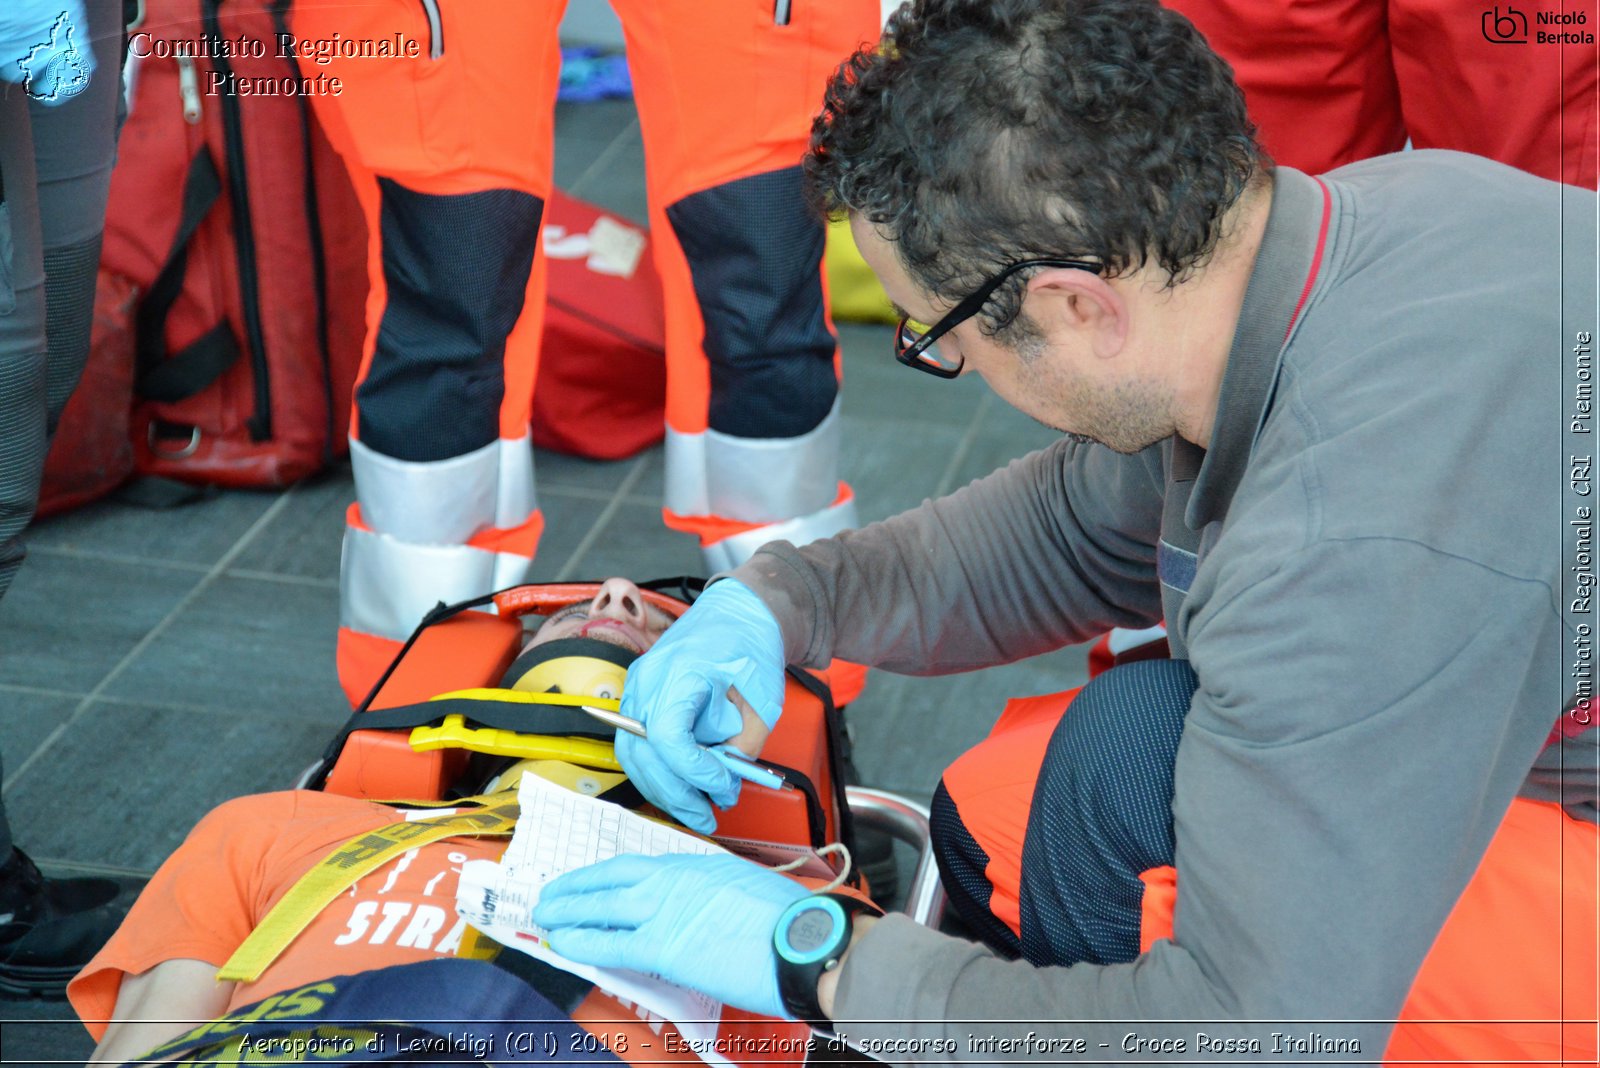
150	636
964	446
603	518
114	558
39	691
128	702
578	184
286	580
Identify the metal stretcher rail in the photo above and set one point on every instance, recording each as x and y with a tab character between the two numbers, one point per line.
906	820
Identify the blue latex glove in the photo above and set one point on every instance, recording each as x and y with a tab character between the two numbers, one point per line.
700	922
678	690
45	45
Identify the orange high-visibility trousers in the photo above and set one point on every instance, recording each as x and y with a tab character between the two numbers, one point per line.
1513	975
1330	82
450	149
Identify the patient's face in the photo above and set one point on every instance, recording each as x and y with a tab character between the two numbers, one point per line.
618	614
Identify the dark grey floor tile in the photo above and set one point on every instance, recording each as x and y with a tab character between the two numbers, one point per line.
556	470
26	720
67	621
303	539
877	386
635	544
908	730
35	1032
155	772
615	180
894	464
584	131
246	647
1003	435
651	485
567	522
198	533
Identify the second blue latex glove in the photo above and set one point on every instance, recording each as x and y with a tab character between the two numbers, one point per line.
45	45
700	922
678	690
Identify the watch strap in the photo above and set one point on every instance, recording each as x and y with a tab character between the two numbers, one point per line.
802	955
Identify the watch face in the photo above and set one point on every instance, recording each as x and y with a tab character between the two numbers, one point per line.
811	930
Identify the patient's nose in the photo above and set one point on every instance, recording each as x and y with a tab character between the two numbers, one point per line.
618	599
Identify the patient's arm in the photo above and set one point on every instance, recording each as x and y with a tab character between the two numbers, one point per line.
161	1004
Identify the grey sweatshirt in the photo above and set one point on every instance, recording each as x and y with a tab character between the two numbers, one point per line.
1366	572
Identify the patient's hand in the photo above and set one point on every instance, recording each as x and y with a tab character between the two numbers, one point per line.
753	735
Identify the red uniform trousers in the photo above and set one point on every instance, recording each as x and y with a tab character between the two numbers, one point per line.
1330	82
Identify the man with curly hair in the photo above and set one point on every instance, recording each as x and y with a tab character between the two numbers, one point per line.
1328	429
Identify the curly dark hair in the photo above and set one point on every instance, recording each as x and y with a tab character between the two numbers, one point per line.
983	132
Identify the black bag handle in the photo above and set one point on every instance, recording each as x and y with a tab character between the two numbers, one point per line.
192	369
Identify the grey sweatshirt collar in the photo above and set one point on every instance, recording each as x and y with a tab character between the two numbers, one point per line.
1279	278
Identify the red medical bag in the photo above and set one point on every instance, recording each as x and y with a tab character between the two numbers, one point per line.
234	218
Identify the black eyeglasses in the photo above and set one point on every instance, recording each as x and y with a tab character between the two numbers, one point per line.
914	343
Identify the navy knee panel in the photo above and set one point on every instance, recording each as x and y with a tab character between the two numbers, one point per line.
1102	813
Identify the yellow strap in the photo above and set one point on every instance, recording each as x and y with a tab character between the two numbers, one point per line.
454	733
523	697
355	858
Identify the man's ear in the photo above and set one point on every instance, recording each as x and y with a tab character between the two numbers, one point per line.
1084	303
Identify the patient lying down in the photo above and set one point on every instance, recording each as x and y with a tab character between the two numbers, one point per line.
157	975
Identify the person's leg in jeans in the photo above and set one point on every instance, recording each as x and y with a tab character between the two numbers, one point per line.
55	173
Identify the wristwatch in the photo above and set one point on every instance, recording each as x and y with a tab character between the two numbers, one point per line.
811	936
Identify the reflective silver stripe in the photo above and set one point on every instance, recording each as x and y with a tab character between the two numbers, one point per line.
685	490
430	8
753	480
730	552
446	502
386	585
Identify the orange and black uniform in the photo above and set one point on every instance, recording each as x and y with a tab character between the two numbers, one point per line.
450	150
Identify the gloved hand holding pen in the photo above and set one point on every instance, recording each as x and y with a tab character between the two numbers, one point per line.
44	45
679	692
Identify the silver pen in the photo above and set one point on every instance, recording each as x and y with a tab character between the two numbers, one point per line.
733	760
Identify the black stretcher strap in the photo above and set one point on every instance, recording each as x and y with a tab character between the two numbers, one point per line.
554	719
498	715
833	724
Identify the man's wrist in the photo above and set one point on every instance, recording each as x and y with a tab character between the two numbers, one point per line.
810	939
828	984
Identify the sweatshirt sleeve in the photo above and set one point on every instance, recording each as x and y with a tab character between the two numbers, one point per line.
1058	547
1334	792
